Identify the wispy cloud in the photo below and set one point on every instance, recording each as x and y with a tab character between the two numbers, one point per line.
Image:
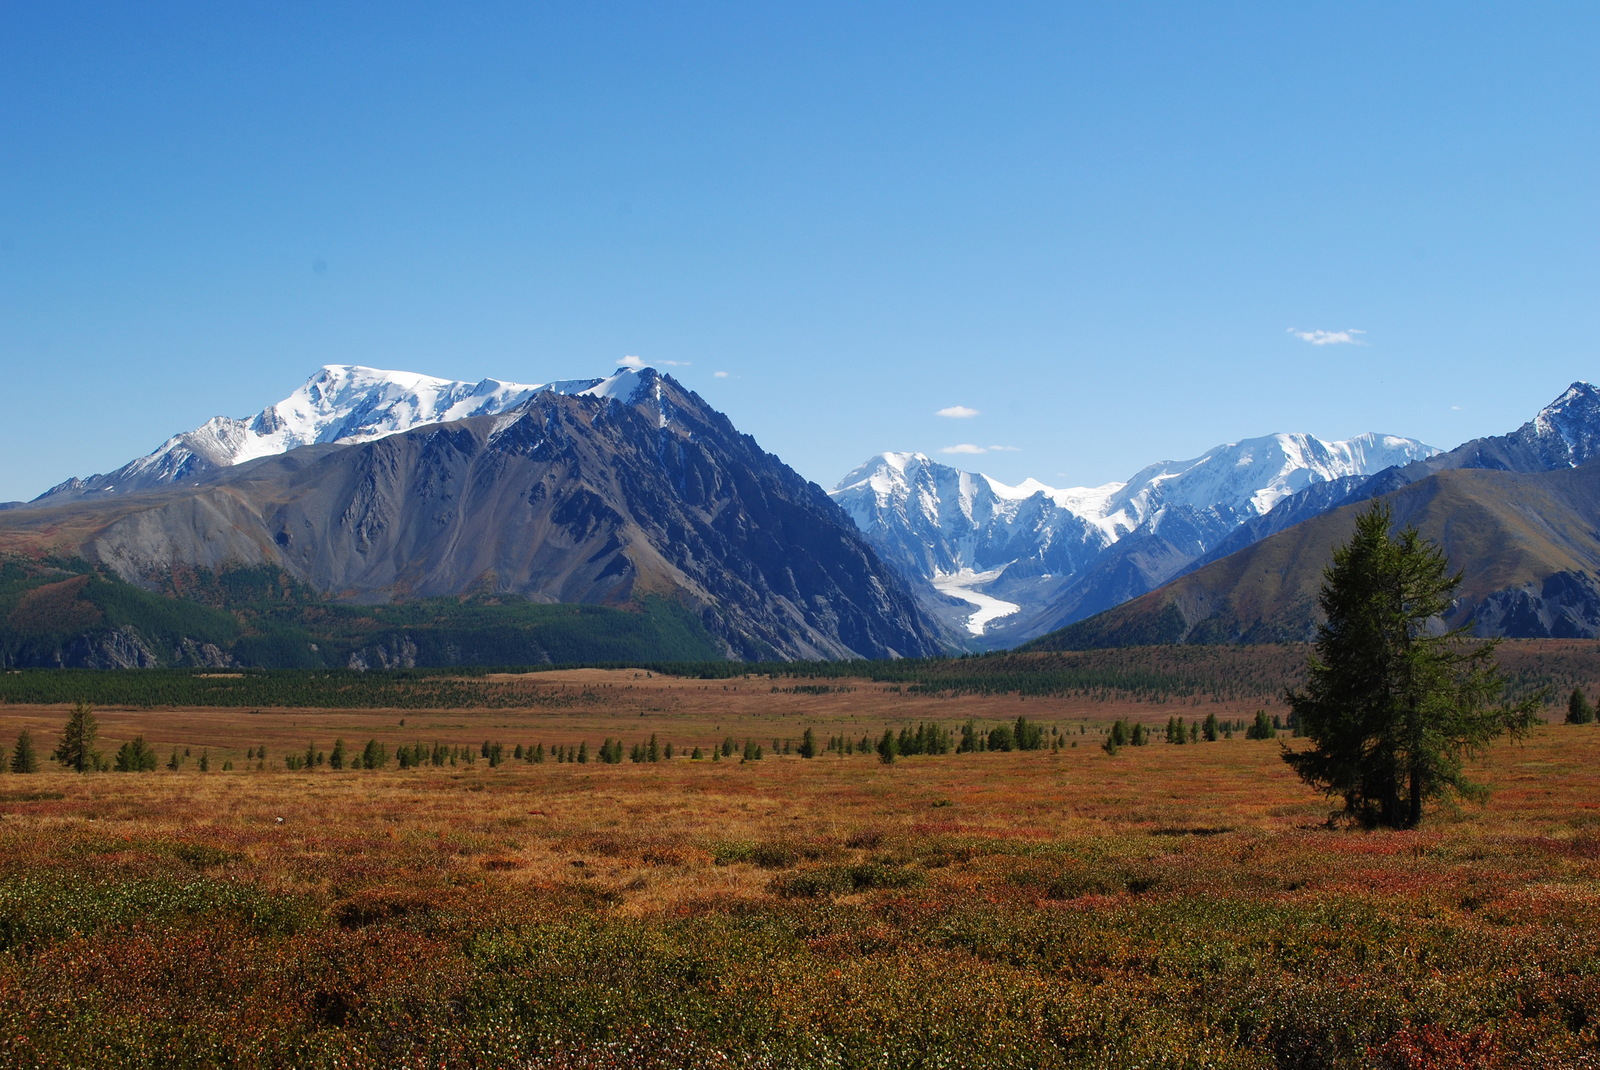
957	412
631	361
968	447
1345	337
719	375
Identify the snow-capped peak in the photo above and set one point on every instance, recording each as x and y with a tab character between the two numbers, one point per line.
341	403
1571	418
935	522
623	386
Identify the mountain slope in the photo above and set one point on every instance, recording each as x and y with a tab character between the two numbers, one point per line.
1564	434
67	614
629	488
1526	542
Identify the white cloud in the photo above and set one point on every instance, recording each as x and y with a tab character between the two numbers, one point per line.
632	361
968	447
957	412
719	375
1345	337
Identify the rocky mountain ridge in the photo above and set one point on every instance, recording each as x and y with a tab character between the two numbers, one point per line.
629	488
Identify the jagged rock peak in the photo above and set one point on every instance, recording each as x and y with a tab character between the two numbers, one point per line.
1573	419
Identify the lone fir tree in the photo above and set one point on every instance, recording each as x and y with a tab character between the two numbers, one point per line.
24	758
1394	703
75	749
1579	711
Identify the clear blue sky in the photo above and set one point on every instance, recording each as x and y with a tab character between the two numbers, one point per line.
1095	224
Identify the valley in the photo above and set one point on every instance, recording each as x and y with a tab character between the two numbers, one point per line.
1059	907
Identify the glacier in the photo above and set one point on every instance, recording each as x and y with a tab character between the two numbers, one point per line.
997	560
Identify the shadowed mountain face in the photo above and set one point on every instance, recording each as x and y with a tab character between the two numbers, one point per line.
632	488
1527	543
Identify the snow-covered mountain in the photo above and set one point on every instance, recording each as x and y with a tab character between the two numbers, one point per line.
1027	555
629	491
341	403
1563	434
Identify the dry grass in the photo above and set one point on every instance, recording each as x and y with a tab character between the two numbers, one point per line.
591	704
1167	905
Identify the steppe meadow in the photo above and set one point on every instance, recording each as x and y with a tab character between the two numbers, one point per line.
484	898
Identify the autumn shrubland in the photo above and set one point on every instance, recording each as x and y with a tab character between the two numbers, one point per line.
1164	905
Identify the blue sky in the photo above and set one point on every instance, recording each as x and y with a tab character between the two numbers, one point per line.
1093	224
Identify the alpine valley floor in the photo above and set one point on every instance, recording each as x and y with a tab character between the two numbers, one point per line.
1061	907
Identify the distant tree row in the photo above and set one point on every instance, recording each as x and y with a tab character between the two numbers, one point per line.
1127	734
76	748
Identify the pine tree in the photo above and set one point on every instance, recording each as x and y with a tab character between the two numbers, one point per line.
1393	705
24	758
75	750
205	761
969	738
136	756
888	747
336	756
1115	738
1213	730
1578	709
1261	728
1028	736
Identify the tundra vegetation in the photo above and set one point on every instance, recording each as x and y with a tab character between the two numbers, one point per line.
560	881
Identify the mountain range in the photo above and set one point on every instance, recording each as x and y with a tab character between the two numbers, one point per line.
608	492
1008	563
308	530
1516	513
